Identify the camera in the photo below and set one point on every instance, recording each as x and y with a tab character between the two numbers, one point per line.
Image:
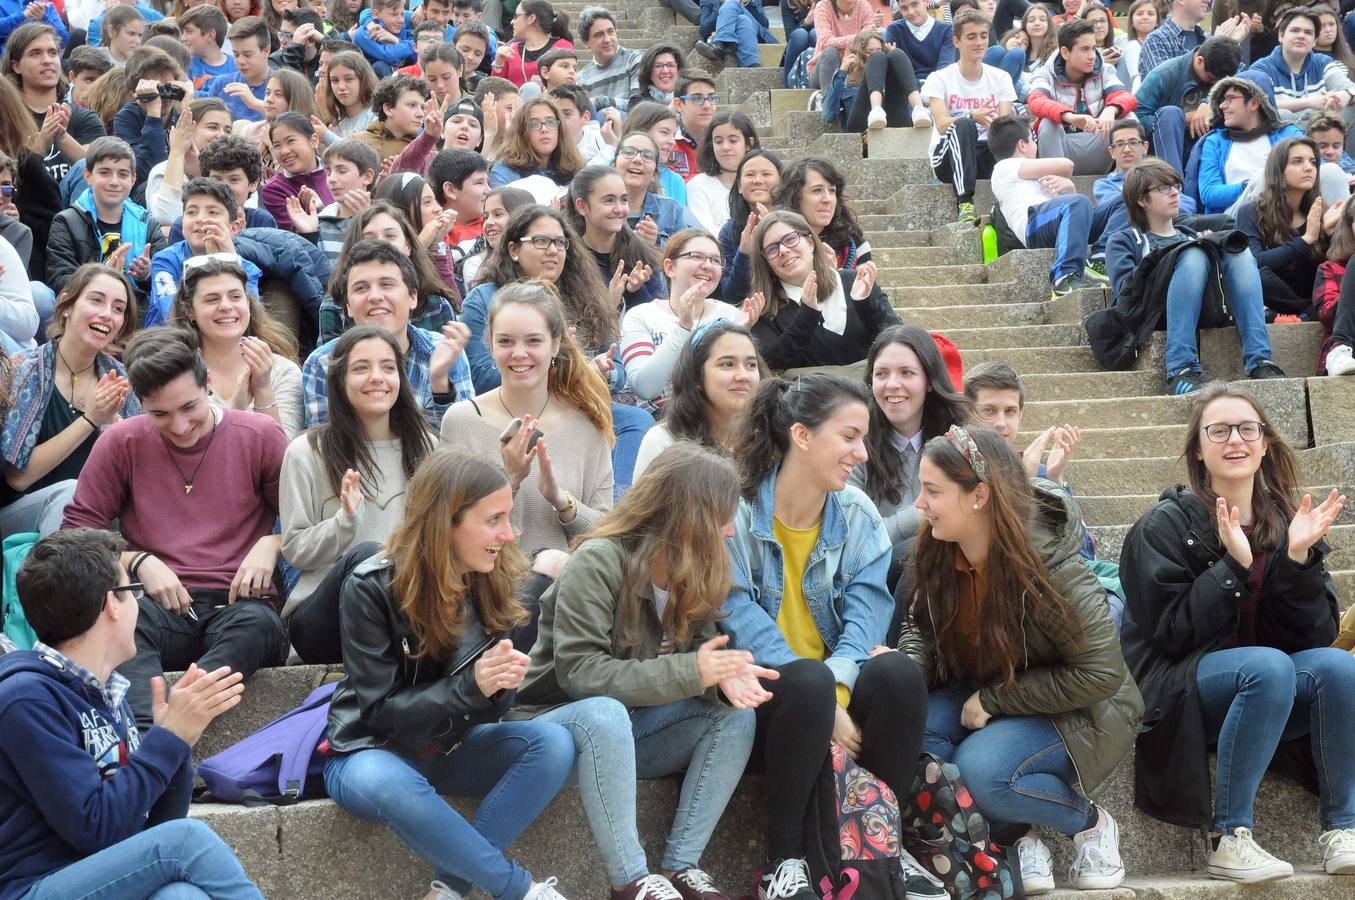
169	91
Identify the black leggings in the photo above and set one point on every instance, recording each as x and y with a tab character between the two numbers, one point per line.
313	626
794	728
892	74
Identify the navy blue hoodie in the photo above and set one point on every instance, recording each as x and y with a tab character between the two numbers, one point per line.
72	780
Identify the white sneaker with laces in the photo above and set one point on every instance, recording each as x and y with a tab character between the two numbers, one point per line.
1340	360
1037	866
1338	851
545	890
877	119
1098	866
790	879
918	883
656	887
922	117
1239	858
439	891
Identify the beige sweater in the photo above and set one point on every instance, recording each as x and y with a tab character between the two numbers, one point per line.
583	466
286	379
316	530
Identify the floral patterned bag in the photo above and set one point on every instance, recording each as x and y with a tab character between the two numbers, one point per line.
852	835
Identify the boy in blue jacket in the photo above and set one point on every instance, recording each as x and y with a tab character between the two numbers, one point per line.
1250	127
386	38
1174	98
1305	83
86	801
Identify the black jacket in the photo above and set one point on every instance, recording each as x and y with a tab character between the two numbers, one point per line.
390	699
289	257
795	336
1181	591
73	241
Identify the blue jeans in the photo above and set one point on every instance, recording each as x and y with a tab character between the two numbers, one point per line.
1186	295
45	301
629	423
711	742
1255	697
41	510
179	860
1067	223
736	29
517	767
797	42
1016	767
1013	61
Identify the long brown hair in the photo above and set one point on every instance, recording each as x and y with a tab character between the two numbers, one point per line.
433	588
515	149
676	512
1342	246
1018	586
17	128
18	42
572	377
856	69
764	280
1275	486
355	62
75	286
262	324
1274	215
1047	45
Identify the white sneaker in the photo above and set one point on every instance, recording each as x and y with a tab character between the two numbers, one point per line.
815	101
1338	851
877	119
1037	866
439	891
544	890
1098	866
922	118
1239	858
1340	360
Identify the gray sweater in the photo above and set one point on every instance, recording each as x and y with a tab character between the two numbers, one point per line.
901	519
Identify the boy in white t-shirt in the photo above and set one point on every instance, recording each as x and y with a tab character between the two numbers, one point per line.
965	97
1041	204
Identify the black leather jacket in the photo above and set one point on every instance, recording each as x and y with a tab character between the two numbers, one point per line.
389	699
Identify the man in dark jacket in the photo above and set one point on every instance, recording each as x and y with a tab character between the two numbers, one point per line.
86	799
1174	98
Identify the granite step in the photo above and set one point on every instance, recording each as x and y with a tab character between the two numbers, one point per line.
998	313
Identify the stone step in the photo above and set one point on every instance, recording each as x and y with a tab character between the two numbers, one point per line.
1121	443
1332	402
921	259
935	278
1036	361
1091	385
996	314
1028	336
1318	467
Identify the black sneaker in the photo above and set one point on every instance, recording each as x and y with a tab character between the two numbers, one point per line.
1186	382
786	879
917	882
1075	282
709	52
1267	369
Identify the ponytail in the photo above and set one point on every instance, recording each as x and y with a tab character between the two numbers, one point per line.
555	24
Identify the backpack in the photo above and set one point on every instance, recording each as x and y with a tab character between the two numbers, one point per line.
16	628
852	835
949	837
279	763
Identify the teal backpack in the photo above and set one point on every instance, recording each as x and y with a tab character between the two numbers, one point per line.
15	551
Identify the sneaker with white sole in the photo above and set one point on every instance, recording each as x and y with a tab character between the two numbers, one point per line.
922	117
918	883
1340	360
815	101
544	890
438	890
1097	866
1239	858
1037	865
694	884
786	879
650	887
877	119
1338	851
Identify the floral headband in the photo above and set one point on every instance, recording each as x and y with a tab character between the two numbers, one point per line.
958	438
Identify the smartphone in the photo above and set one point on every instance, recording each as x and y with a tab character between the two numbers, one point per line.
513	428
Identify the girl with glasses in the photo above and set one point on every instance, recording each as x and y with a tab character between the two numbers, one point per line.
1155	259
661	123
597	208
654	217
536	143
1230	611
815	314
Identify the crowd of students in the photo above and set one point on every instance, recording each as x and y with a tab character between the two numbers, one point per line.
489	342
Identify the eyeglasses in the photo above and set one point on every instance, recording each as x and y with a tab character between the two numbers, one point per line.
541	242
701	99
1166	190
134	591
285	36
629	152
789	242
1126	145
700	258
197	262
543	124
1220	432
665	65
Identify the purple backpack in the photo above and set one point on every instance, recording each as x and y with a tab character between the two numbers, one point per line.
279	763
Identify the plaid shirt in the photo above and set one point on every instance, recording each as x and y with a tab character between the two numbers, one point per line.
1167	41
421	344
113	691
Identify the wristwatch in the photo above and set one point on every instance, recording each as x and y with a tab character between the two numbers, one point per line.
570	504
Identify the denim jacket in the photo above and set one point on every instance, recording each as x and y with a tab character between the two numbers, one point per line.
844	582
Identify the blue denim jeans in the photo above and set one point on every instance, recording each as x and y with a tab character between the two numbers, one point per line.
41	510
1255	697
44	299
1016	767
797	42
1067	223
615	748
736	29
517	767
1013	61
179	860
1170	143
629	423
1186	295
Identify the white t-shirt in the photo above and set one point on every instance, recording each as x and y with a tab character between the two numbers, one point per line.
1247	159
651	340
708	201
993	87
1016	195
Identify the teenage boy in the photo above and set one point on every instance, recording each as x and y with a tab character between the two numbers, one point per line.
614	73
399	106
351	167
1076	98
1233	157
211	220
467	11
695	101
243	92
299	43
1330	134
123	30
1152	193
595	145
498	100
203	29
964	98
236	162
1174	98
928	41
33	59
1181	33
85	66
460	180
102	219
378	285
474	42
202	524
385	36
427	35
88	800
465	126
144	122
1305	82
733	28
1040	203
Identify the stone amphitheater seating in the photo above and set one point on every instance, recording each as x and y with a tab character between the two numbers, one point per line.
1132	435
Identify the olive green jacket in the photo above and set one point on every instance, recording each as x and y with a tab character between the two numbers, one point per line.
1084	688
581	648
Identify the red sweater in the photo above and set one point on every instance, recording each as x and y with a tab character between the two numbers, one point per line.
202	536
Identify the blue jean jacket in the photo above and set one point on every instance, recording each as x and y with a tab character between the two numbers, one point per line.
844	582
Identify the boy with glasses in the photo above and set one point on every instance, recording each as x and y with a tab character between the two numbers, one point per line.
1156	258
695	101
